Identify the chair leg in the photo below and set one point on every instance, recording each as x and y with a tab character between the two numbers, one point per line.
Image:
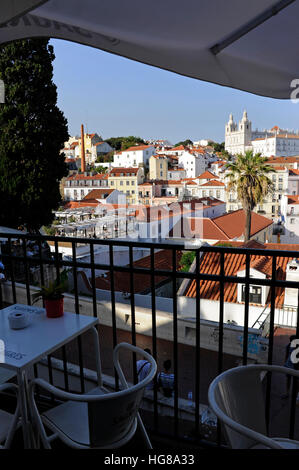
144	433
12	431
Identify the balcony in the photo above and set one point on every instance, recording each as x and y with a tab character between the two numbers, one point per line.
172	326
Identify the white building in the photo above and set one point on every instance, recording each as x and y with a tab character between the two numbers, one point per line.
193	164
76	187
277	142
100	149
290	219
202	142
278	145
270	206
293	182
176	174
134	156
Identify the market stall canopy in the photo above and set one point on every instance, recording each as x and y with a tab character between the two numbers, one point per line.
248	45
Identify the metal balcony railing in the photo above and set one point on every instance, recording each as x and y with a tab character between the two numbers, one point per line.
18	265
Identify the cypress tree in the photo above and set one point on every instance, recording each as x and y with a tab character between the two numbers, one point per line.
32	133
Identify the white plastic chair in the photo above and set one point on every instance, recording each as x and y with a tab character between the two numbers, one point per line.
236	398
98	419
9	422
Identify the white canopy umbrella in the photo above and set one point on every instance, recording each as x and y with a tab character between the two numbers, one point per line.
251	45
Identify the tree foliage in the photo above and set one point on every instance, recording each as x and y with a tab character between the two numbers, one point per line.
33	131
122	143
186	260
185	143
247	176
218	147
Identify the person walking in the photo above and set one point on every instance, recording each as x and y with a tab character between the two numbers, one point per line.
166	379
2	272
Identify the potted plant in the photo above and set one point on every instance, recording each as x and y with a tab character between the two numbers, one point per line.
53	295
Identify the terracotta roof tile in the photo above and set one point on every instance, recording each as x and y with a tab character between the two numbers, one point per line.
98	193
207	175
137	147
127	171
213	183
142	282
293	199
210	264
233	223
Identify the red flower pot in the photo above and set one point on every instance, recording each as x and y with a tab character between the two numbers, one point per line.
54	308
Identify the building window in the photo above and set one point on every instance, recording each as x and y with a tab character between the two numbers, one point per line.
128	183
132	183
292	221
121	183
255	294
111	183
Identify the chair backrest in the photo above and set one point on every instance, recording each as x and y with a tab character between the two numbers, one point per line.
238	393
111	420
112	417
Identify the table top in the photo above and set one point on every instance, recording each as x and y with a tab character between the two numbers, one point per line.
43	335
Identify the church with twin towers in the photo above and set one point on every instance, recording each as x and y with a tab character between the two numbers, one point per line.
239	137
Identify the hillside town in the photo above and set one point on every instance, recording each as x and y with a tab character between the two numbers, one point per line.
110	193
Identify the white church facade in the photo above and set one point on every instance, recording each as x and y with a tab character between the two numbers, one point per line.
273	142
239	137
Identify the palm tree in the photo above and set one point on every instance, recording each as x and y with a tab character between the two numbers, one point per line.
248	178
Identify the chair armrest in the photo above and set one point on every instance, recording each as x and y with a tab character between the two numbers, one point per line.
57	391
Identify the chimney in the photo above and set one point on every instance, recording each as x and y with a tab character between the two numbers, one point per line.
82	149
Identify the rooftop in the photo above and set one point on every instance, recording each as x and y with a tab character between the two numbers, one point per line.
207	175
213	183
210	263
225	227
126	171
293	199
82	176
142	282
100	193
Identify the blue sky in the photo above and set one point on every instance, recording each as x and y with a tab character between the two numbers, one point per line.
115	96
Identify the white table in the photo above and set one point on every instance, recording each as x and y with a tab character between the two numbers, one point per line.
24	348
